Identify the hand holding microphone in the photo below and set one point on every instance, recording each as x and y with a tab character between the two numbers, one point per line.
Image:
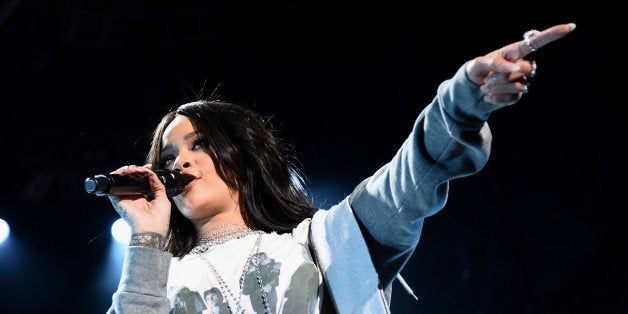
138	197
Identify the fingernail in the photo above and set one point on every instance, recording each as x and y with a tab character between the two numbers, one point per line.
490	79
572	26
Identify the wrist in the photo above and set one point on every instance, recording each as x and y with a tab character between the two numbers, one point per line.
148	239
468	71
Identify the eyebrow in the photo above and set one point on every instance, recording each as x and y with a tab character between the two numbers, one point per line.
185	138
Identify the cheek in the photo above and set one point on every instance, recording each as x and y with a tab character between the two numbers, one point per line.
206	165
211	180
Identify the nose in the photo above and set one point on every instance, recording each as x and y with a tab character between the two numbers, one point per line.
180	163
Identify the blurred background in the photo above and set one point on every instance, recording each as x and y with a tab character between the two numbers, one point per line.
82	84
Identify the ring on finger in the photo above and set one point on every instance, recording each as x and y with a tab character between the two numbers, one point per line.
527	38
533	71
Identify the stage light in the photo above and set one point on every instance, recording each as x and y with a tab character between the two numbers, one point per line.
4	230
121	231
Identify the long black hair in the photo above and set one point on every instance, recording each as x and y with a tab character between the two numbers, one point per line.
251	159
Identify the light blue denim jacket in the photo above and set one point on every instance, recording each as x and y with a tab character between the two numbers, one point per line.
362	243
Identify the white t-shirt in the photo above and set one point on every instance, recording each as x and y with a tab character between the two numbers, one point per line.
291	281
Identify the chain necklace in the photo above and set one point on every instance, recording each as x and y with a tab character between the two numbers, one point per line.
223	226
224	287
204	244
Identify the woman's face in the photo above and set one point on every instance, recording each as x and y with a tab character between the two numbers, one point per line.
207	196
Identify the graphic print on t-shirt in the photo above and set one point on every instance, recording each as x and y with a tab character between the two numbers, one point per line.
300	294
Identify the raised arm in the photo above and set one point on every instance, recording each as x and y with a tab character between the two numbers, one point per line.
450	139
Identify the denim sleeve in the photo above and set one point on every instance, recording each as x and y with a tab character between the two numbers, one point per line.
450	139
142	288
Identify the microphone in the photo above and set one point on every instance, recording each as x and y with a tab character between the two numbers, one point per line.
117	184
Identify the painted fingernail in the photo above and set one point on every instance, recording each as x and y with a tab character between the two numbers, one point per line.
572	26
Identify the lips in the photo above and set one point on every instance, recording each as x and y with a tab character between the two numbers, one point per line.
189	179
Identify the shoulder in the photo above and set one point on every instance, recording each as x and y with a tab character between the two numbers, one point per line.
301	232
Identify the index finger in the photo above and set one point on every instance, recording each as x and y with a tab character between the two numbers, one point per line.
540	40
549	35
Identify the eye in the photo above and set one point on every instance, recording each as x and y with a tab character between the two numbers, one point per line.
166	160
200	143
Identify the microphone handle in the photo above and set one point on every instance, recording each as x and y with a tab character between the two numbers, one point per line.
117	184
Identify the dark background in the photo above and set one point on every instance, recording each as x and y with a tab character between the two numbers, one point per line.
539	230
